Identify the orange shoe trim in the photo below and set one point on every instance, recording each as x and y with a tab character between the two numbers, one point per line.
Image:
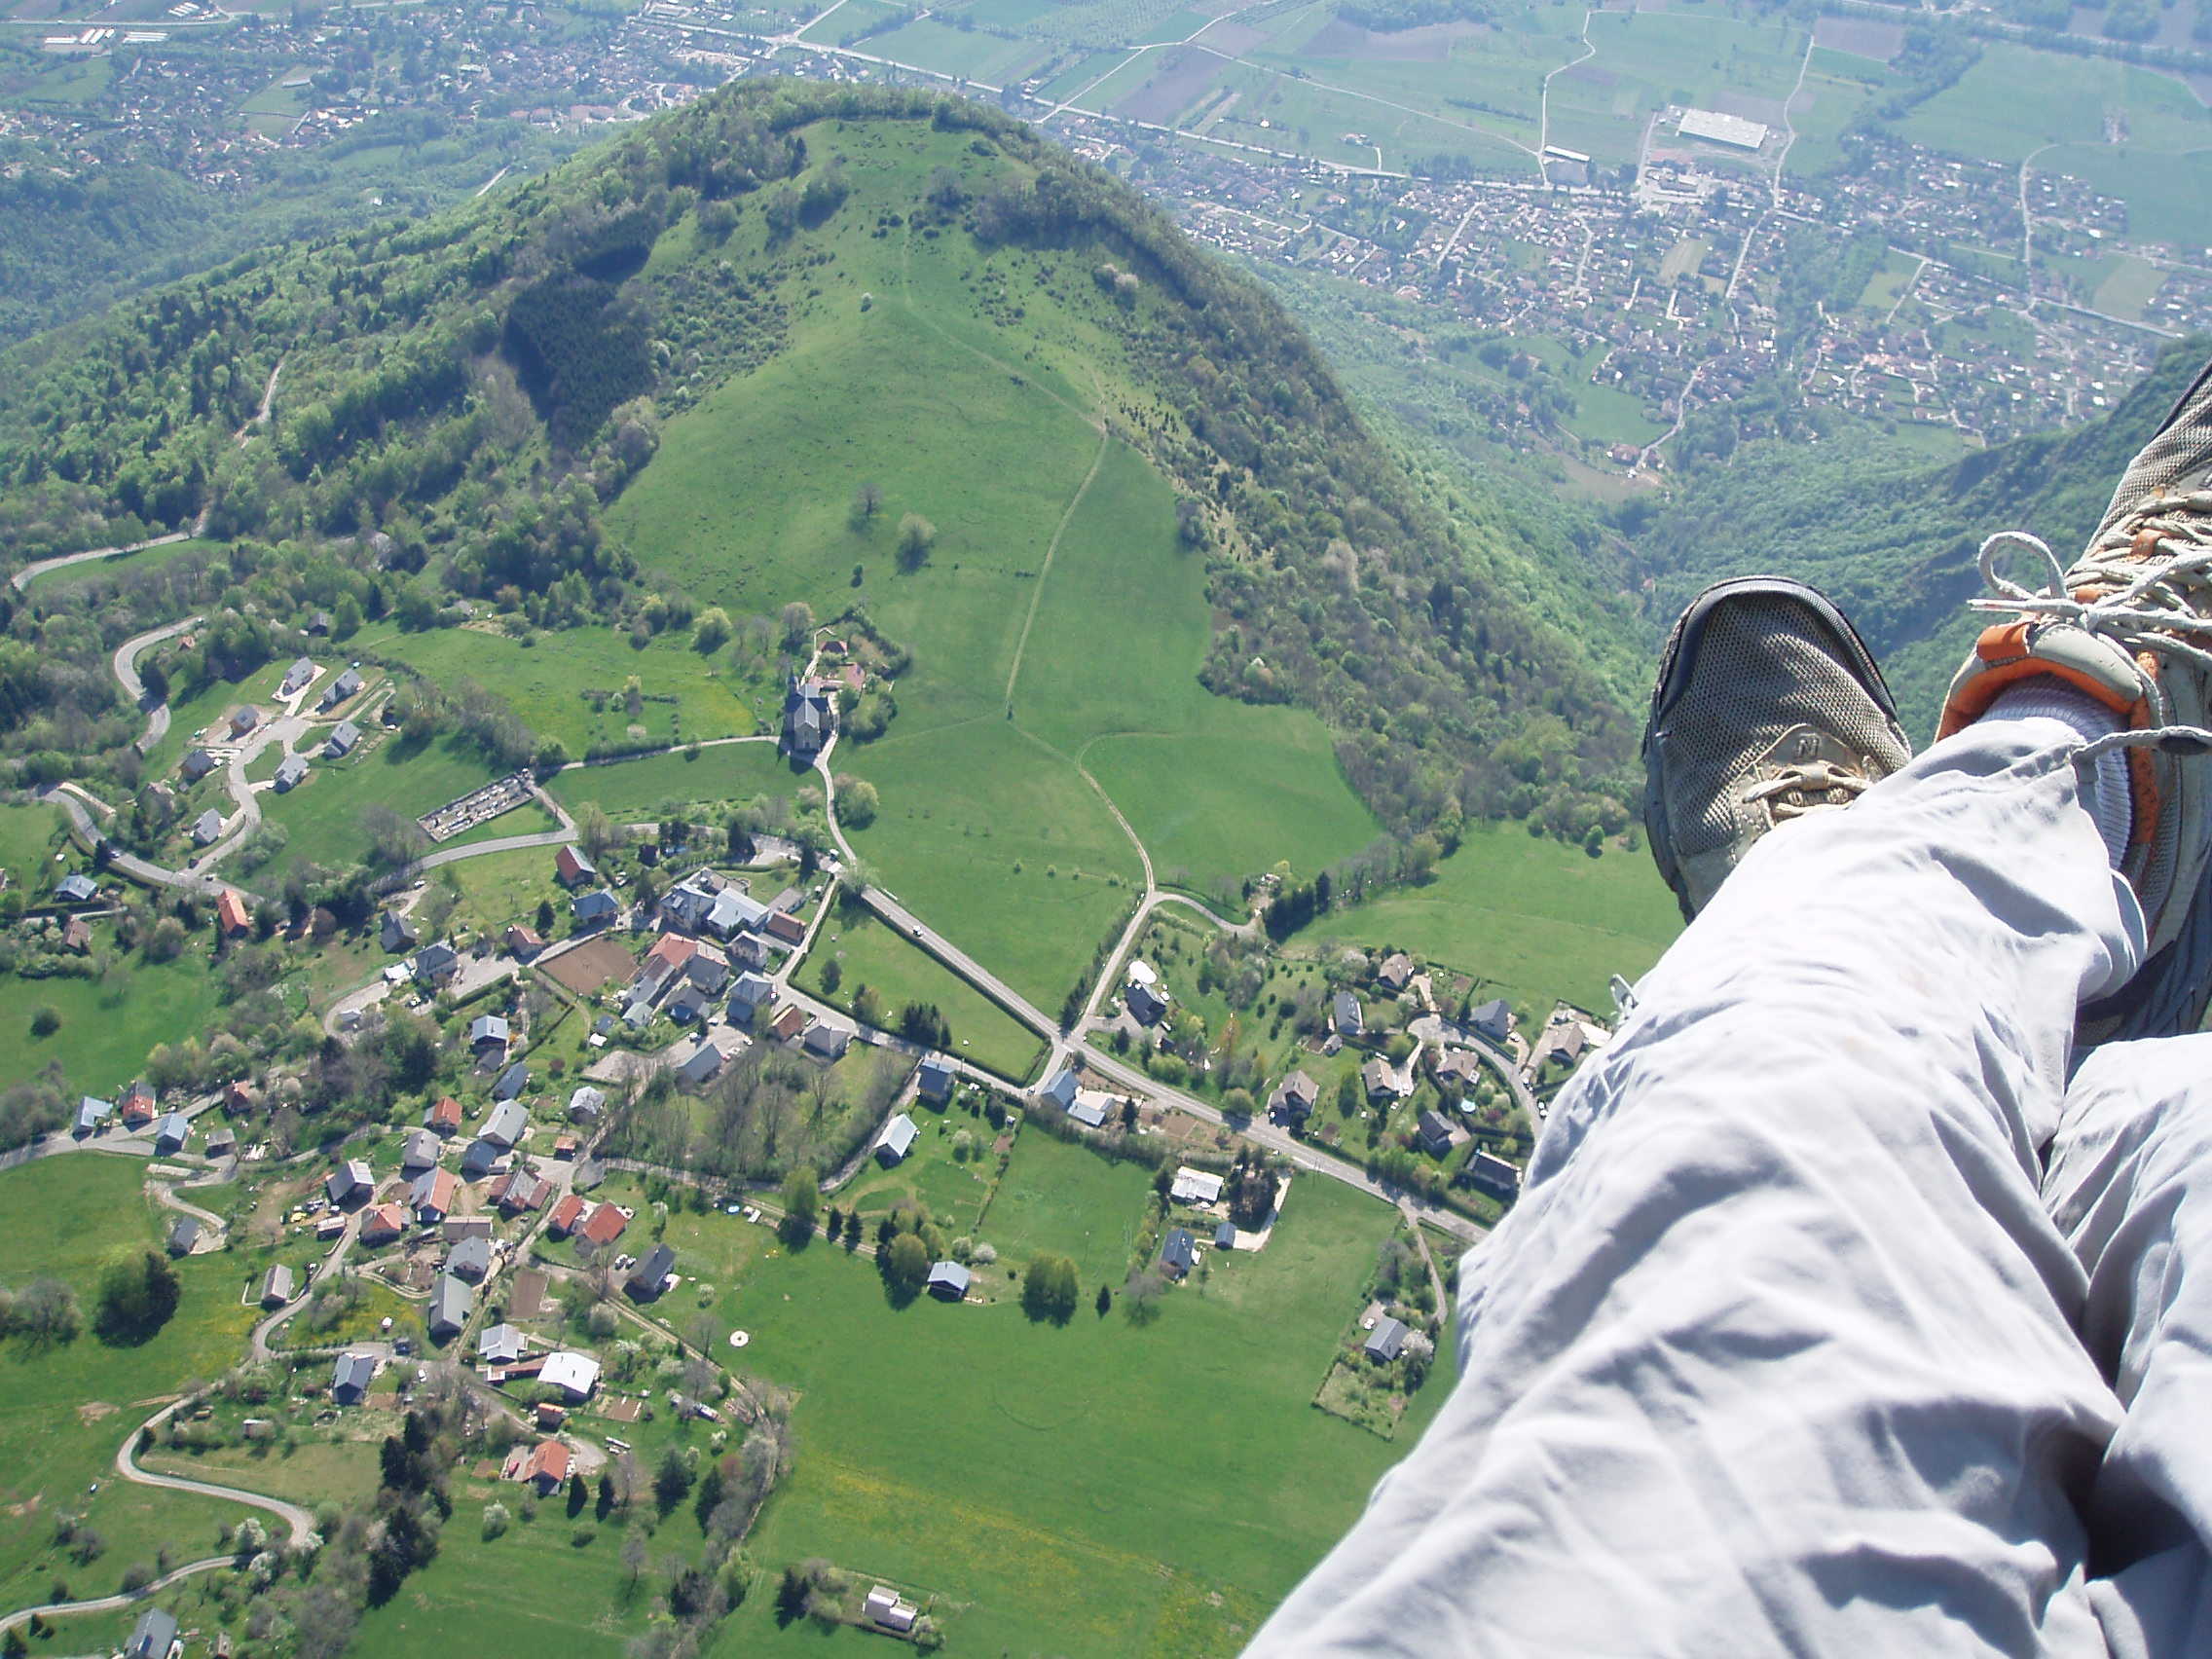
1970	701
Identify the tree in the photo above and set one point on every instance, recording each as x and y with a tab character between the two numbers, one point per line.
712	1489
799	623
606	1505
802	1205
867	501
1140	1297
579	1495
711	632
671	1479
916	537
46	1020
905	1266
1049	1289
634	1550
139	1292
857	801
1105	1300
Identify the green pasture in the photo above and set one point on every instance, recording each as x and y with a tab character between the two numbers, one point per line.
29	834
1097	1488
63	1411
638	790
310	1472
548	682
970	54
1529	919
854	15
323	816
107	1028
51	585
2014	99
2168	197
867	952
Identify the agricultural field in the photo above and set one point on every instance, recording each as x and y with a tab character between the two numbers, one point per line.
1647	59
867	952
2169	196
570	684
29	836
63	1410
2014	101
1527	920
1103	1488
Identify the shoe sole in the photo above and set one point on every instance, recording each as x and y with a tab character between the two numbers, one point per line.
1667	689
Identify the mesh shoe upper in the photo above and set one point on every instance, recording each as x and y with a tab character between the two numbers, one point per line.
1767	706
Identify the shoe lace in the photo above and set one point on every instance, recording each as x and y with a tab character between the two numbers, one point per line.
2145	599
1808	786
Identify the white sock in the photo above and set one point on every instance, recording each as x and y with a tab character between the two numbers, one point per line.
2105	787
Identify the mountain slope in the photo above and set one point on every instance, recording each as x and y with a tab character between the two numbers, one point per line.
479	387
1896	543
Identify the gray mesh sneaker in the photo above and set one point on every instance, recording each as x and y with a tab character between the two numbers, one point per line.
2129	624
1768	707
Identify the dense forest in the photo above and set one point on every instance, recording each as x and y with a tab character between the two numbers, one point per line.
463	394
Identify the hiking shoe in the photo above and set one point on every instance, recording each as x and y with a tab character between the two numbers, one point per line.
1768	707
2129	625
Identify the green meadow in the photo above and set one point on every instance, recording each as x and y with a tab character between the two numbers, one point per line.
1101	1487
107	1029
867	952
322	819
1527	920
29	836
569	684
636	790
65	1410
2014	99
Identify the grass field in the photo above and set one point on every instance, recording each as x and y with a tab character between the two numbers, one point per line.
106	1031
64	1410
1646	59
1098	1488
549	683
322	818
29	834
309	1473
2016	99
869	953
636	790
50	584
2168	197
1529	919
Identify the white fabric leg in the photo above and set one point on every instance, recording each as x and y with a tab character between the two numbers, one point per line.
2129	1184
1775	1353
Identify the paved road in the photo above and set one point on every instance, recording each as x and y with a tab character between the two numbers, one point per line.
301	1522
108	1604
125	664
73	801
30	572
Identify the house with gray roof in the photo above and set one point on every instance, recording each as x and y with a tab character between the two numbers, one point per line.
947	1281
435	963
748	997
470	1259
499	1345
153	1636
1495	1176
420	1150
290	773
395	932
350	1378
897	1140
512	1082
1492	1021
198	763
826	1041
340	689
734	912
207	829
184	1235
701	1066
1378	1080
451	1304
810	716
1433	1133
92	1116
275	1286
1386	1342
1060	1090
1147	1004
1294	1099
77	889
596	908
933	1078
1352	1019
1091	1114
297	678
1179	1252
344	736
478	1159
488	1030
587	1103
349	1182
651	1277
506	1125
687	1005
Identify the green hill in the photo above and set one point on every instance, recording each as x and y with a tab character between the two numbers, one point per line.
1895	540
1168	587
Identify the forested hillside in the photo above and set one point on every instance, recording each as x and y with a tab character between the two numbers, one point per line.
1893	540
464	396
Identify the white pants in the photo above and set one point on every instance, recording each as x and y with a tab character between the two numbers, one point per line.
1836	1317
